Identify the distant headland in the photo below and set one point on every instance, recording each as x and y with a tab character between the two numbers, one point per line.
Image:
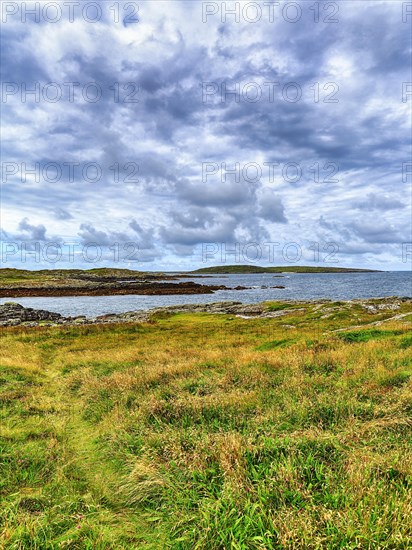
228	269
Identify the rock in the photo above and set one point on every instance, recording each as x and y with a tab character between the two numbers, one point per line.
80	320
278	286
370	309
377	308
12	314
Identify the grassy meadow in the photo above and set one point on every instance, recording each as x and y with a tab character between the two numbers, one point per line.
209	432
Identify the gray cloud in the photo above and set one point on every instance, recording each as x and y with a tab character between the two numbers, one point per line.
271	207
32	232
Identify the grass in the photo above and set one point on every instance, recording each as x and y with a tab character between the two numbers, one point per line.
279	306
370	334
285	342
208	432
12	276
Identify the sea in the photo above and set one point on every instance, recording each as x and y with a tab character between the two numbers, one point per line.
298	286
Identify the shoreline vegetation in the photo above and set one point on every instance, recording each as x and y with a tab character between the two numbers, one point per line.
19	283
287	425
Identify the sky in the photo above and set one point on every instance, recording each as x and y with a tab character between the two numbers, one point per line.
171	135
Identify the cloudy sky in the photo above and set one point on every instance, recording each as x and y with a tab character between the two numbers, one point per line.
170	134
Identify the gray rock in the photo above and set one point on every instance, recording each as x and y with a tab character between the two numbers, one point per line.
12	314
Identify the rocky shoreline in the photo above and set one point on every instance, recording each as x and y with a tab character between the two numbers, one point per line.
14	314
55	283
110	289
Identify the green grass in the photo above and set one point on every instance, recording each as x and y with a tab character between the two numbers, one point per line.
369	334
208	432
280	306
275	344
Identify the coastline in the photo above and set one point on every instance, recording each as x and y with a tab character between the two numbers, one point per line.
14	314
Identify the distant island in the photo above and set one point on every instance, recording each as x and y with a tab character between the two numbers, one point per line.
228	269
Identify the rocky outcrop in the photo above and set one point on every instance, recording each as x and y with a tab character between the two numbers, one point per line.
223	308
109	289
378	308
14	314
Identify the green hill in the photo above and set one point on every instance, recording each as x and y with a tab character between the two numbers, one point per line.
227	269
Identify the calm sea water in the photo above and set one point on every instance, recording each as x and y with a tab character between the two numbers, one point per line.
299	286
